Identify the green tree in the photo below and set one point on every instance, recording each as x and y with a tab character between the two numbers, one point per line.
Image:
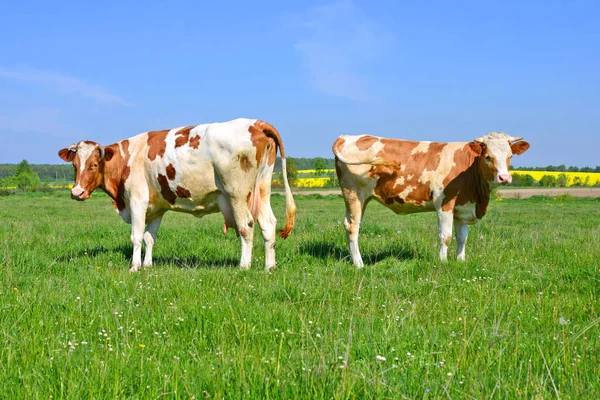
319	165
292	172
25	179
562	180
548	181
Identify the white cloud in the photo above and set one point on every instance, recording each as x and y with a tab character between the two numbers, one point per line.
339	47
62	83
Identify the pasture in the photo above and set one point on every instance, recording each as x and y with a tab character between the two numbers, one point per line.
518	319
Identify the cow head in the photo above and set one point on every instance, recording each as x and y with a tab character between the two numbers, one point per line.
495	151
88	159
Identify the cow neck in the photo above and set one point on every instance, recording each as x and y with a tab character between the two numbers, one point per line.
482	186
116	172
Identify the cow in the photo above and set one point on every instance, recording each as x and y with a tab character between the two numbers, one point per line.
453	179
198	170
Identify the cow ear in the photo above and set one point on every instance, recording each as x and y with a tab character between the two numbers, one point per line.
476	148
109	152
519	147
67	154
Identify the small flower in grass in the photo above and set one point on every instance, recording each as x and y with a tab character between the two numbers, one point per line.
142	345
562	321
380	358
15	289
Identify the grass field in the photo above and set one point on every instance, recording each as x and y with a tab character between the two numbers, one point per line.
519	319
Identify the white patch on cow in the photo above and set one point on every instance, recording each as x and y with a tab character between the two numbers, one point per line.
423	147
351	154
465	213
84	151
436	178
498	146
400	181
409	177
121	150
404	194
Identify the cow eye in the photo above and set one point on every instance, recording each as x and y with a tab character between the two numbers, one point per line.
488	159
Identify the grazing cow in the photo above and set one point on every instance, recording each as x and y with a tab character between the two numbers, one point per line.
453	179
198	170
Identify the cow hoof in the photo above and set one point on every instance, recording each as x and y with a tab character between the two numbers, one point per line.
134	268
245	267
271	267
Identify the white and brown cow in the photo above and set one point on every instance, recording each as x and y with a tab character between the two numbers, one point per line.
452	179
198	170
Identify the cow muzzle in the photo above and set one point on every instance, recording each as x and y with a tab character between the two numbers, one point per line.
77	193
504	178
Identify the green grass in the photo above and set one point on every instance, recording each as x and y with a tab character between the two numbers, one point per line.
518	319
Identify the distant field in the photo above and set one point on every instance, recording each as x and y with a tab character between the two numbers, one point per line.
519	319
592	177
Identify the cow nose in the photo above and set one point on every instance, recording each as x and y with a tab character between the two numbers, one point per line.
76	192
504	178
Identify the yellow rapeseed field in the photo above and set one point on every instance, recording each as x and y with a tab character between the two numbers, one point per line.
594	177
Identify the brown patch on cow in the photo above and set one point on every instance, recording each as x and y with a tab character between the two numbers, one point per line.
245	163
157	144
466	182
251	223
182	136
338	145
265	138
183	192
519	147
365	142
125	146
402	170
171	172
165	189
446	241
249	197
195	142
67	155
259	140
116	172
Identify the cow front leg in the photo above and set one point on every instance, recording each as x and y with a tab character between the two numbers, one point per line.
138	221
149	238
445	232
462	231
354	211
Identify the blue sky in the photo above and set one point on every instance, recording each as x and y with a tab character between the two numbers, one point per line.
431	70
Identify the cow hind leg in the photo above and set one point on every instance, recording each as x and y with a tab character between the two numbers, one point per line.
268	223
245	225
138	221
462	230
355	206
149	238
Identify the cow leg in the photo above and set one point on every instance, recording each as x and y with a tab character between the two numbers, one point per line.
149	238
245	224
462	230
445	232
267	222
354	209
138	221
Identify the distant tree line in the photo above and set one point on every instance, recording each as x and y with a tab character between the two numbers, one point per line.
559	168
560	180
46	172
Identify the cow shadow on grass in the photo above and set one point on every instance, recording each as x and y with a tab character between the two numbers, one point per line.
125	252
195	262
324	249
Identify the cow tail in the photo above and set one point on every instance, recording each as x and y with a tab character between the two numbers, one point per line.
290	205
